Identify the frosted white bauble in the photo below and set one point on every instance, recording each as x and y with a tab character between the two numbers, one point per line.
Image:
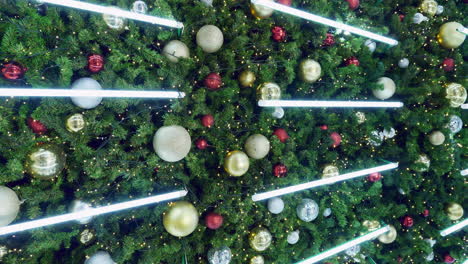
172	143
86	84
436	138
175	49
100	257
275	205
278	112
371	45
10	205
293	237
210	38
388	91
403	63
257	146
327	212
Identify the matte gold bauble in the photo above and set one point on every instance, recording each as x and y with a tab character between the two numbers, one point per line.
45	161
454	211
371	225
247	78
310	70
260	11
236	163
456	94
429	7
260	238
330	171
436	138
181	219
75	123
388	237
269	91
449	37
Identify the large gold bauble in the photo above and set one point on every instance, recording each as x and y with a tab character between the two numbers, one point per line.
236	163
390	236
181	219
75	123
449	37
456	94
429	7
247	79
269	91
260	238
257	260
310	70
45	161
371	225
260	11
330	171
454	211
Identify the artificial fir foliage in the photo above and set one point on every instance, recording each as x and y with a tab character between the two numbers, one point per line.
112	158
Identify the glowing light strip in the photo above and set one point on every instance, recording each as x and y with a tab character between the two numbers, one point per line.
464	106
454	228
307	103
324	21
463	30
343	247
115	12
304	186
90	212
464	172
26	92
466	261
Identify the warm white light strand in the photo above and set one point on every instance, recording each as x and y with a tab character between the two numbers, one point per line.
115	12
324	21
304	186
454	228
311	103
345	246
90	212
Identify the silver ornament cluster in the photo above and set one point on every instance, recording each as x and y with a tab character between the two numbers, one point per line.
220	255
307	210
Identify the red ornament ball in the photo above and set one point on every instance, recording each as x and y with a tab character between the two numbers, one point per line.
280	170
323	127
95	63
336	139
352	60
281	134
329	40
36	126
374	177
13	71
448	259
213	81
201	143
448	64
425	213
401	16
207	120
353	4
278	33
285	2
400	259
213	220
407	221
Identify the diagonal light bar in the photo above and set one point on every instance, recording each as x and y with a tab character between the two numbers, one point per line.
454	228
27	92
343	247
463	30
464	172
308	103
115	12
324	21
464	106
308	185
90	212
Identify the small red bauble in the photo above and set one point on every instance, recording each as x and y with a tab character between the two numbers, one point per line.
95	63
400	259
280	170
13	71
375	176
281	134
278	33
201	143
352	60
156	170
336	139
213	81
36	126
323	127
448	64
207	120
401	17
213	220
448	258
425	213
407	221
329	40
285	2
353	4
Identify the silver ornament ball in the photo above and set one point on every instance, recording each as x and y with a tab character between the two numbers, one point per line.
78	206
440	9
139	7
327	212
403	63
275	205
371	45
220	255
293	237
278	113
307	210
114	22
455	124
100	257
86	84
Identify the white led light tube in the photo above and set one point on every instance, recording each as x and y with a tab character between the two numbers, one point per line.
27	92
308	103
343	247
464	106
90	212
115	12
324	21
464	172
463	30
308	185
454	228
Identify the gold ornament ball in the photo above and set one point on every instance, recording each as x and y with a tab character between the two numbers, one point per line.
436	138
330	171
86	236
269	91
454	211
236	163
456	94
257	260
247	79
389	237
181	219
449	37
310	70
260	11
75	123
429	7
371	225
45	161
260	238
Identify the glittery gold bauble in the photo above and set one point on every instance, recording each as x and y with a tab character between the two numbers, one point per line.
371	225
86	236
75	123
260	238
454	211
269	91
247	78
330	171
429	7
260	11
449	37
257	260
310	70
45	161
181	219
114	22
456	94
388	237
236	163
3	251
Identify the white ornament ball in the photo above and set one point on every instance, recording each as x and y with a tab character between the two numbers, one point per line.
278	112
257	146
388	90
403	63
293	237
86	84
440	9
100	257
389	133
77	206
275	205
371	45
10	205
175	49
172	143
327	212
139	7
210	38
436	138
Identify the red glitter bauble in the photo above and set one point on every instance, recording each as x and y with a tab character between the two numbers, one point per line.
207	120
278	33
448	258
95	63
201	143
213	81
13	71
448	64
425	213
401	17
285	2
329	40
336	139
352	60
280	170
407	221
36	126
374	177
353	4
281	134
213	220
323	127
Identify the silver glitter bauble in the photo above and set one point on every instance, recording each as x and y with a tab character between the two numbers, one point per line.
293	237
307	210
207	2
353	251
114	22
455	124
327	212
440	9
403	63
431	242
78	206
139	7
278	113
220	255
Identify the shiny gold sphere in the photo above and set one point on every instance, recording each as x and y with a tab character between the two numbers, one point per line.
269	91
449	37
236	163
429	7
247	79
310	70
390	236
260	11
454	211
75	123
45	161
260	238
330	171
371	225
456	94
181	219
